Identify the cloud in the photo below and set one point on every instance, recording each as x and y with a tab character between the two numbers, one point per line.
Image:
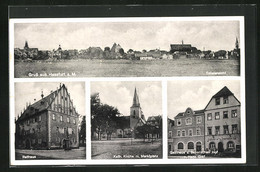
214	35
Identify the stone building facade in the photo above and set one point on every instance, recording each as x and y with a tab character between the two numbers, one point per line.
215	128
187	134
222	124
50	123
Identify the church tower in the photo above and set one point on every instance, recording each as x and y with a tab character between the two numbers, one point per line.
26	46
135	111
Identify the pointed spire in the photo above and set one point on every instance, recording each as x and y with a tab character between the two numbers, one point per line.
136	99
237	44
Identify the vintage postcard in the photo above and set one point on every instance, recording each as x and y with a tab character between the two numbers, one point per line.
127	90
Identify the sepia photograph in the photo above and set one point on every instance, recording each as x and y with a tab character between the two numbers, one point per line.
126	120
126	47
50	121
204	119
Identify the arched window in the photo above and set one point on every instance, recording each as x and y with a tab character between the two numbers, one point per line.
212	145
190	145
134	114
180	145
230	145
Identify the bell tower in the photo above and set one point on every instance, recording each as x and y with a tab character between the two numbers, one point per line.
135	111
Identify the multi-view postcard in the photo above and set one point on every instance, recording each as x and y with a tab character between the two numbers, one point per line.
135	90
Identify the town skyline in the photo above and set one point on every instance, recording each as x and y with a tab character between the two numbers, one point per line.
130	35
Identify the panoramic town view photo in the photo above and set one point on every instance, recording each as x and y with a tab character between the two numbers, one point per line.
126	120
50	121
152	48
204	119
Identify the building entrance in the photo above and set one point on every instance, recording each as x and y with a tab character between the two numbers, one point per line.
220	147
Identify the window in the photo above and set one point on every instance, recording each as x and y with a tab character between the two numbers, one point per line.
66	99
212	145
61	118
209	116
190	132
225	114
234	113
198	132
33	130
209	130
39	141
230	145
170	134
217	101
225	100
188	121
217	130
178	122
74	121
57	129
68	120
198	119
180	146
225	129
72	132
178	133
39	129
183	133
234	129
190	145
217	116
53	117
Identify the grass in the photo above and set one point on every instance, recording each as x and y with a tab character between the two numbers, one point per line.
128	68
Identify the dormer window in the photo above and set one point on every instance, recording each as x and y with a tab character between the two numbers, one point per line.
225	100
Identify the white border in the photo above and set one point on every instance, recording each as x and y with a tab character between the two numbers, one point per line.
164	80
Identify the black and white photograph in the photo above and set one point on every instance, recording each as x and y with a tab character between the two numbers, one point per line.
126	120
126	47
50	121
204	119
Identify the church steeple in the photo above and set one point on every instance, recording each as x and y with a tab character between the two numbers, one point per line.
237	44
26	46
136	99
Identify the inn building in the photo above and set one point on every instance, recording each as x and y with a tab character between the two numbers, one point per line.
50	123
215	128
222	124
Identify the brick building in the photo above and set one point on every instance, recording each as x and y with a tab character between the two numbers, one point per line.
50	123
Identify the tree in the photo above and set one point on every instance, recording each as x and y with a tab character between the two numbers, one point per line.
82	132
130	51
121	51
103	117
107	49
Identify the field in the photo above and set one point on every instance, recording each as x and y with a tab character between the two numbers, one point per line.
126	149
127	68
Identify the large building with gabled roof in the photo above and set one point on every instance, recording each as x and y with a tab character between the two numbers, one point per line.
50	123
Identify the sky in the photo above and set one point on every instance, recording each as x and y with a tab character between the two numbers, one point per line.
28	91
196	94
120	95
213	35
